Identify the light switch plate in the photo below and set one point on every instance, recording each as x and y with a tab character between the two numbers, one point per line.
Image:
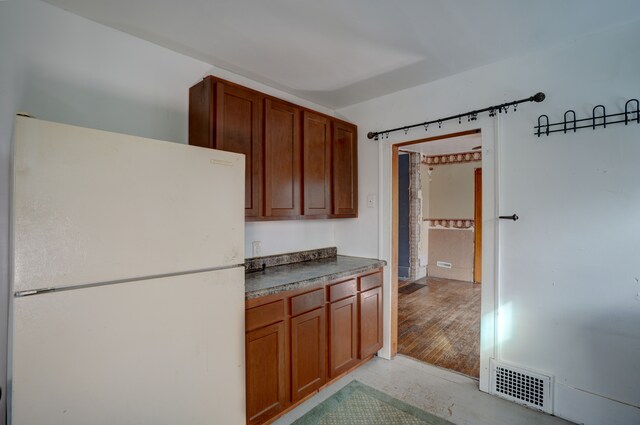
371	201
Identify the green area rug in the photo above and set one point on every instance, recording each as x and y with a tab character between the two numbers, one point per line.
358	404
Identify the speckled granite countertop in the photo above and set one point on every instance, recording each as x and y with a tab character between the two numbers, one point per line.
273	280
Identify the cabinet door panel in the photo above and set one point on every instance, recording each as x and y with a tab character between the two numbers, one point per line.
370	307
345	170
266	372
316	146
308	353
343	336
282	159
239	129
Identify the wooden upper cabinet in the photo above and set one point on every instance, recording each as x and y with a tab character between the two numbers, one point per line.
316	165
229	117
345	170
282	159
201	114
299	163
239	129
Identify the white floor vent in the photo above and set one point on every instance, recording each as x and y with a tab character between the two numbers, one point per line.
522	386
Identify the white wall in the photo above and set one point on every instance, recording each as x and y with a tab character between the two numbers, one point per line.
288	236
60	67
568	291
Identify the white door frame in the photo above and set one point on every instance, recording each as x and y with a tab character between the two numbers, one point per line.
489	131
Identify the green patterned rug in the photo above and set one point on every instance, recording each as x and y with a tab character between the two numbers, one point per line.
358	404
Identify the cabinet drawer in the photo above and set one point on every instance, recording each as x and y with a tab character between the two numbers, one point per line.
369	281
342	290
307	302
264	315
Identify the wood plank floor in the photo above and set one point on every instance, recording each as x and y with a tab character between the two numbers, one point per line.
440	324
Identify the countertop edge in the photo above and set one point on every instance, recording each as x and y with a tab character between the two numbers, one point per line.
314	281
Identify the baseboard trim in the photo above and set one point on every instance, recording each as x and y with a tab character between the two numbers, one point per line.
583	407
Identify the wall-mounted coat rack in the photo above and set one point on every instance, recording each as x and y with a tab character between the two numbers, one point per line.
598	119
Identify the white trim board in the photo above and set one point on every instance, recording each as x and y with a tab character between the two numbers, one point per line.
490	194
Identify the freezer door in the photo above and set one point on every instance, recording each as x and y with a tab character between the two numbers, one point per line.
164	351
92	206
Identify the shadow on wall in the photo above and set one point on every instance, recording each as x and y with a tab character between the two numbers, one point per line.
68	101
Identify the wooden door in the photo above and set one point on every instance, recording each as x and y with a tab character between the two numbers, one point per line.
266	372
343	336
345	170
316	165
477	225
239	129
308	353
370	307
282	159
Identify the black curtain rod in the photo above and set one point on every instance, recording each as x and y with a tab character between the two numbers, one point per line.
471	116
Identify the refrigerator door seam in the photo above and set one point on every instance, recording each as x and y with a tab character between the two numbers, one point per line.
30	292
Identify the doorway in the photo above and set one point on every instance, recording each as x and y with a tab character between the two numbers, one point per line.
439	246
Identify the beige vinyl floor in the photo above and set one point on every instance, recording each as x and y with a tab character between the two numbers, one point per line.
449	395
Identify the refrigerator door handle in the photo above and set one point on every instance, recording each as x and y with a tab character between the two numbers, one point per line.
33	292
39	291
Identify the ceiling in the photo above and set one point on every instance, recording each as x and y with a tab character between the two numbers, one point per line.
341	52
444	146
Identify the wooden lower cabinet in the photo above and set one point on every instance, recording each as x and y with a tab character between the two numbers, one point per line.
343	335
308	353
266	372
298	341
370	307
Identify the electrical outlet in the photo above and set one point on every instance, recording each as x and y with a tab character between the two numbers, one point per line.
443	264
256	248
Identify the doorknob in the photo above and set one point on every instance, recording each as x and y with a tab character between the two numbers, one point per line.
510	217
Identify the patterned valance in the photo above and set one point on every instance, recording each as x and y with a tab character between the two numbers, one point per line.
455	223
453	158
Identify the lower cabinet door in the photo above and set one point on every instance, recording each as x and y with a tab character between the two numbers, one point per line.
370	322
308	353
266	372
343	335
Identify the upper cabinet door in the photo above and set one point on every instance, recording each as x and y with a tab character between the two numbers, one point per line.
316	147
345	170
282	159
238	127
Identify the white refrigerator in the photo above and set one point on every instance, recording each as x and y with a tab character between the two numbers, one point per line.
127	281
